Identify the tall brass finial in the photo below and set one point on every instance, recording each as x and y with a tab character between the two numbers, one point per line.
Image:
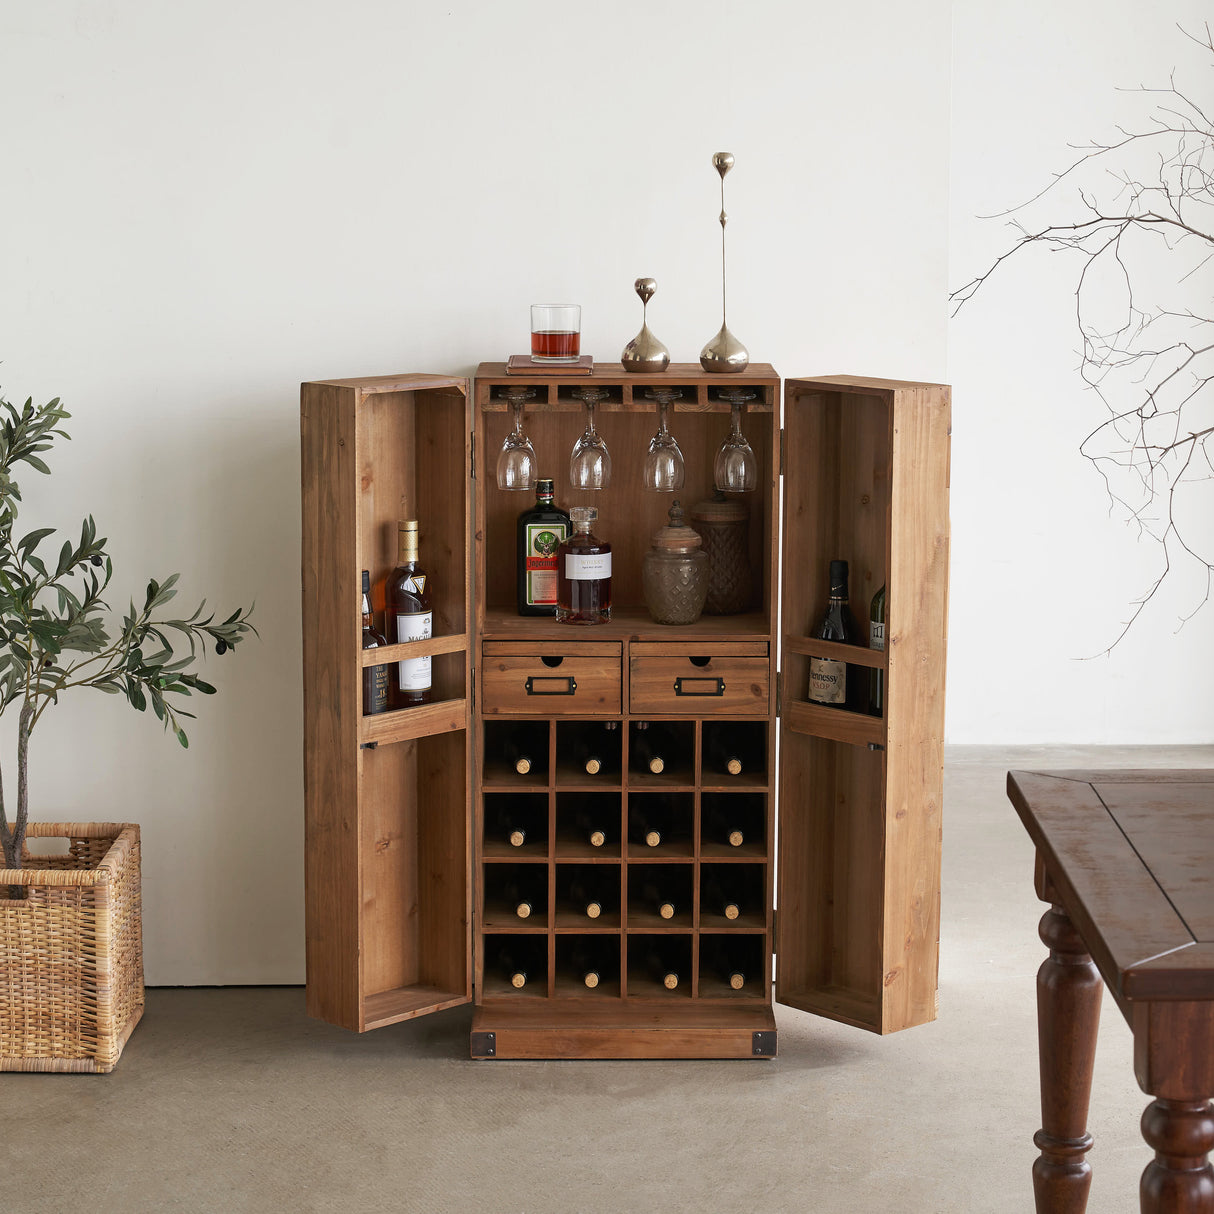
724	353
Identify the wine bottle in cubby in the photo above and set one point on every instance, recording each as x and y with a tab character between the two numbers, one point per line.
661	966
376	679
517	755
646	750
725	821
591	961
831	681
596	748
512	968
410	617
727	961
723	756
721	894
590	827
509	827
648	821
524	892
659	899
587	894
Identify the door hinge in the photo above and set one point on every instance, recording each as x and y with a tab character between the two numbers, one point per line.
779	692
472	456
472	689
781	450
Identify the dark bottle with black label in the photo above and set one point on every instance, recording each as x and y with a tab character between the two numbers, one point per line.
541	531
377	680
831	681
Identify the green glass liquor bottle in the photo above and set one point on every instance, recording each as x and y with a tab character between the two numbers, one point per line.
541	531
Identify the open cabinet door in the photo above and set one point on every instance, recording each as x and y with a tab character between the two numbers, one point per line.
858	869
387	797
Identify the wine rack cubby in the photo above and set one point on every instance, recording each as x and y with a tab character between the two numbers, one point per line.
579	833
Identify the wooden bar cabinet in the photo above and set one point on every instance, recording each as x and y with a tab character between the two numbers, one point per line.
827	841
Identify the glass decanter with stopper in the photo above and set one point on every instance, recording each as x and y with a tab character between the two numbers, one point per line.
583	592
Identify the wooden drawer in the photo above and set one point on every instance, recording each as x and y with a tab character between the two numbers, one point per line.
689	678
548	679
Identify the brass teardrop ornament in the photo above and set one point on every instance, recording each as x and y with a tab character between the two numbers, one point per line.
644	352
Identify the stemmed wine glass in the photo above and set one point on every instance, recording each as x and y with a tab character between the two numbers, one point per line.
590	461
664	471
516	460
735	469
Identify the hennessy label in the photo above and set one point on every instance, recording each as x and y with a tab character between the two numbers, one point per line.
827	681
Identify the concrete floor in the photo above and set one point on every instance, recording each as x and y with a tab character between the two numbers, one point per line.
232	1100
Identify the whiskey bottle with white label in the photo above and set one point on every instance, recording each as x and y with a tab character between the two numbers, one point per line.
583	589
409	617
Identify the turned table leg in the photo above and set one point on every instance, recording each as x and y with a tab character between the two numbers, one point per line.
1068	1014
1179	1180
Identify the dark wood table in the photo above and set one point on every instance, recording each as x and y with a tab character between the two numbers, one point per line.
1126	861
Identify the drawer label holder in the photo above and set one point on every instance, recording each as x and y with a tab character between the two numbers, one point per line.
686	686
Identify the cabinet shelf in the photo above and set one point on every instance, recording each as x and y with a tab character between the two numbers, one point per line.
835	724
385	655
402	724
626	623
854	655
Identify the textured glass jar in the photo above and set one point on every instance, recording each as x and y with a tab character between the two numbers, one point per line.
674	575
724	526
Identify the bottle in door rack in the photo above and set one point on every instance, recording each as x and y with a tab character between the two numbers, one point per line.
876	640
409	609
376	679
541	531
830	681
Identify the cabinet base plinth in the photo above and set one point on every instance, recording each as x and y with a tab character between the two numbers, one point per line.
624	1030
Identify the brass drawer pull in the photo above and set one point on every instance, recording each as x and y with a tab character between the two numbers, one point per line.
699	687
551	686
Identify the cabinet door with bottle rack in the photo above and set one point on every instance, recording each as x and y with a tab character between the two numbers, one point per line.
860	792
387	793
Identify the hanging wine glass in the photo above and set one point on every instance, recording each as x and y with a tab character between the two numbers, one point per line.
664	471
735	469
516	460
590	461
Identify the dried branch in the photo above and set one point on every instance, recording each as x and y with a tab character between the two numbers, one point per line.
1144	237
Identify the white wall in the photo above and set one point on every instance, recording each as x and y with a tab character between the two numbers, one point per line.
1042	575
205	204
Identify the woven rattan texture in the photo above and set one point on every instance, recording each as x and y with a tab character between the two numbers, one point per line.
71	952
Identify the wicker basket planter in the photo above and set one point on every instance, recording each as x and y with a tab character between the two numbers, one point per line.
71	954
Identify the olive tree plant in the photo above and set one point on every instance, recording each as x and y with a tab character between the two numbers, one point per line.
57	633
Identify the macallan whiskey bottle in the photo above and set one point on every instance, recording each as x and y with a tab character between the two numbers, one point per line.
410	617
541	531
376	679
583	592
